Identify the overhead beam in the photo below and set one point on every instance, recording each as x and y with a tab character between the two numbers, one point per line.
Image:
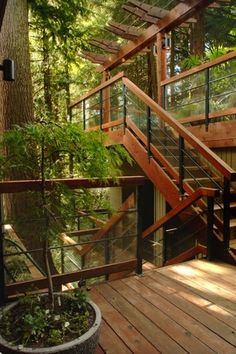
93	57
107	45
150	10
140	13
123	31
175	17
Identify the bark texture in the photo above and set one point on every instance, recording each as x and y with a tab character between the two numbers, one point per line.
16	102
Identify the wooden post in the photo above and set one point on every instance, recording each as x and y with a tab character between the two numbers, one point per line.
161	66
106	99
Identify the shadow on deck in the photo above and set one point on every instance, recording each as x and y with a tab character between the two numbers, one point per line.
184	308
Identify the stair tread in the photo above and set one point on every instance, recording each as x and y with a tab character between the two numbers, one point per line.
220	206
202	179
233	223
233	243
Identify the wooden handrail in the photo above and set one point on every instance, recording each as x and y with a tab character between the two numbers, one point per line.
216	161
212	115
73	183
199	193
108	125
200	68
97	221
59	279
115	218
97	89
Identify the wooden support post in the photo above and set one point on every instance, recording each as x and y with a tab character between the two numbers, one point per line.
161	66
106	99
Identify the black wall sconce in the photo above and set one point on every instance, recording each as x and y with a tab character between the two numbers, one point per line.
8	69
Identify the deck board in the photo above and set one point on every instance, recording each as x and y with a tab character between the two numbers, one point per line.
185	308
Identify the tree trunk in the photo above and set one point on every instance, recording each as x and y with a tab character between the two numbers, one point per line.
16	107
16	102
197	35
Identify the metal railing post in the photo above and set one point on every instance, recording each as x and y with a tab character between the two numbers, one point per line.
124	106
139	267
101	108
84	114
107	253
226	214
210	223
149	131
62	260
181	165
207	97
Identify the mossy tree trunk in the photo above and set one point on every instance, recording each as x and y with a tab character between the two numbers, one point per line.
16	107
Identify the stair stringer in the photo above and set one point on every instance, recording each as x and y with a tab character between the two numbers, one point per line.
153	171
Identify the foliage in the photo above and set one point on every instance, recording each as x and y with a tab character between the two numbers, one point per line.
34	324
49	150
63	144
191	61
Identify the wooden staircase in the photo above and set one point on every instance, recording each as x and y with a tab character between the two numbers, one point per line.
176	162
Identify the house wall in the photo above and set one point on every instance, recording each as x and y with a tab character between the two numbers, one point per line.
228	155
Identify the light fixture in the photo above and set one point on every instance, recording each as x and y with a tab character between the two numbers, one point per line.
8	69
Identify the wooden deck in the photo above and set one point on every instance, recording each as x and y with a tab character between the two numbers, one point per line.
185	308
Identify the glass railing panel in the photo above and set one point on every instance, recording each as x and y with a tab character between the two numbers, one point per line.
186	97
116	101
137	111
77	114
186	230
93	111
198	172
178	235
75	241
223	86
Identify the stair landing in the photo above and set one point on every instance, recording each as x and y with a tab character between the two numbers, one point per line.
184	308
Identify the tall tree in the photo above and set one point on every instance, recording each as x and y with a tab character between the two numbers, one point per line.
16	104
56	34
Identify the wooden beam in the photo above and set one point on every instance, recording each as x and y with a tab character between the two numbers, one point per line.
73	183
176	16
124	31
150	14
150	10
140	13
179	208
94	57
59	279
189	254
107	45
